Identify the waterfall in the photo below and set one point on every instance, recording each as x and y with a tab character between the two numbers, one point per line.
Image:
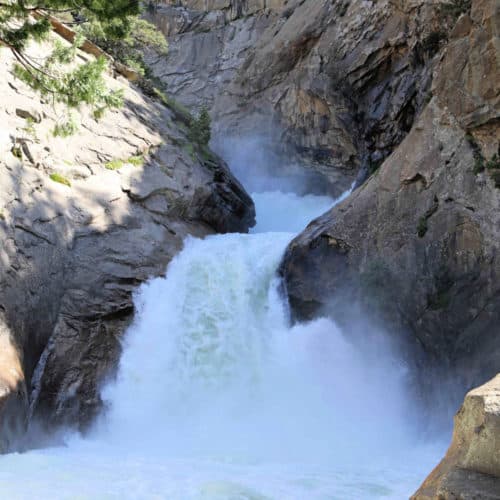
219	397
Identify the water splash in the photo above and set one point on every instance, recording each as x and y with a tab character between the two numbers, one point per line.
217	396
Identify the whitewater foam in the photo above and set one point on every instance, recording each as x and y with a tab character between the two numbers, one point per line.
218	397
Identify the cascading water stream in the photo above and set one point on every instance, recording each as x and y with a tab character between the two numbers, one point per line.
217	396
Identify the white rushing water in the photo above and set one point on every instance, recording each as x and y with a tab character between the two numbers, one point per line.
217	397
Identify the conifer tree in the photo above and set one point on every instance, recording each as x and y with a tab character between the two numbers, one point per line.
23	21
128	48
200	131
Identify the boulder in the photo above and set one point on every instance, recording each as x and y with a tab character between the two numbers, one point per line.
471	467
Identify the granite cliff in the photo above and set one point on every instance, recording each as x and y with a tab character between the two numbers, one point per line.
331	87
418	243
404	94
471	467
84	220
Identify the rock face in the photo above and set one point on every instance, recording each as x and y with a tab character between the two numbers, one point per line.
13	396
471	467
419	243
83	221
336	85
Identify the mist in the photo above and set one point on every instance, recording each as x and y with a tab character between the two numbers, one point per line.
219	396
260	166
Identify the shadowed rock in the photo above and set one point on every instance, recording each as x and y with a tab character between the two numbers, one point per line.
84	220
418	243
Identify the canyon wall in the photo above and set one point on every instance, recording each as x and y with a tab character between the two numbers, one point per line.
402	94
329	87
418	243
405	92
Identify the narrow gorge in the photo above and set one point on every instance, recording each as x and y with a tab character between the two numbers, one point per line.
272	272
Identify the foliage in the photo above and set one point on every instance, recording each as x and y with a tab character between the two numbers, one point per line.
54	75
199	130
188	147
128	48
481	164
493	163
18	26
455	8
180	111
60	179
136	161
17	151
476	153
116	164
493	166
422	226
83	84
478	165
208	156
65	129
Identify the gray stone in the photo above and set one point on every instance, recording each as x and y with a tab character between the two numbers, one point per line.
471	468
419	243
71	257
330	86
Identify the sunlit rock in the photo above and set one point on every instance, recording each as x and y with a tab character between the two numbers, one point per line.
471	467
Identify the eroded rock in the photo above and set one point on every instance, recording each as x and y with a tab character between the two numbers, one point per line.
29	114
13	393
